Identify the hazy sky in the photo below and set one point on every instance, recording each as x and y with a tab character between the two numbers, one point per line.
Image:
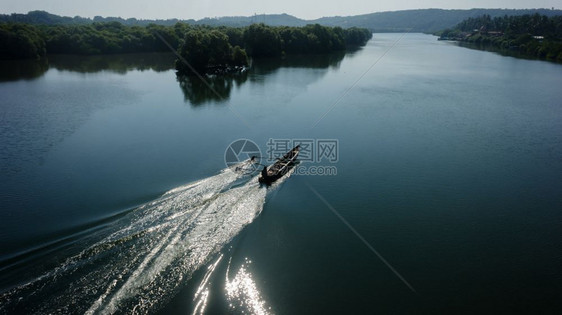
197	9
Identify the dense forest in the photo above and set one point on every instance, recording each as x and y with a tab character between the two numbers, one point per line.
21	41
204	47
535	35
423	20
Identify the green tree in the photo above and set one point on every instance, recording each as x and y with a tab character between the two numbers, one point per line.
203	49
194	51
262	41
239	56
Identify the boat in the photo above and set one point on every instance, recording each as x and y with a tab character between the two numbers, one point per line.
280	167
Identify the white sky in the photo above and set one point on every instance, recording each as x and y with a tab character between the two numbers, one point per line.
197	9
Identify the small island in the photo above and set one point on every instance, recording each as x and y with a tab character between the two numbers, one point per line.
534	36
219	50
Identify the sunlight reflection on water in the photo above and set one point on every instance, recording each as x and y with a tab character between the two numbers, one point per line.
242	291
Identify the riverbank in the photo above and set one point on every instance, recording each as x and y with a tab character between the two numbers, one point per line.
525	36
525	46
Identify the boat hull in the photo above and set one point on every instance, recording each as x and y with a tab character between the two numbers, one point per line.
279	168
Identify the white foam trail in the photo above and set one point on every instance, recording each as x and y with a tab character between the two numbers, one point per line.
133	279
218	221
143	262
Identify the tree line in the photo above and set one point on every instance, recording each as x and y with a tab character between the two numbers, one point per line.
202	46
38	17
532	35
23	41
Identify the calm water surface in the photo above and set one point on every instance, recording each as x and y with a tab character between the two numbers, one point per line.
115	198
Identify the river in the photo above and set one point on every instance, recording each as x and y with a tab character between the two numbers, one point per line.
431	183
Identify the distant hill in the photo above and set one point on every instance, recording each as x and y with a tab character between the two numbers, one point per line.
425	20
46	18
269	19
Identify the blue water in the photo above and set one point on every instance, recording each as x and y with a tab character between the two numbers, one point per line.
115	195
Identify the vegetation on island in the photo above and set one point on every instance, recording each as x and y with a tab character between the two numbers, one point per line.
225	47
537	36
207	49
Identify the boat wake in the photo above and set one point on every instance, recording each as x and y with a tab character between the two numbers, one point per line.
148	254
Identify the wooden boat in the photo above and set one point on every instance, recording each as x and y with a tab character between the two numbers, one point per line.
279	168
